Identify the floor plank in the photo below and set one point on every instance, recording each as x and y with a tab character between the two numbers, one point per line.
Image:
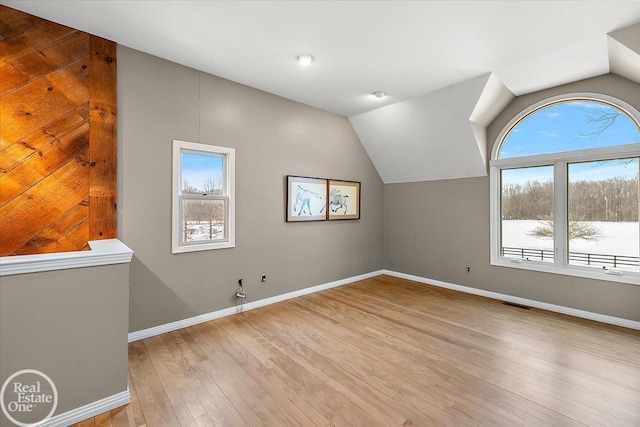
385	351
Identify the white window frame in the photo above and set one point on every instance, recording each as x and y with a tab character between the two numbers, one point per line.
228	190
559	162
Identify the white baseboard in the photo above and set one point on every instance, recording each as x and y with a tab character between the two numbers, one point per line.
169	327
87	411
618	321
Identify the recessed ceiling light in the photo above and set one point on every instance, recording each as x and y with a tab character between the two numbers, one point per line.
379	94
305	59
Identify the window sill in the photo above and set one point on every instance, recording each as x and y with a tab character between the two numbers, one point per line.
630	278
103	252
203	247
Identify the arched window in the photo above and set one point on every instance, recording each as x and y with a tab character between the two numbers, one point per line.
564	186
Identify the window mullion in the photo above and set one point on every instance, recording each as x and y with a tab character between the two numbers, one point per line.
203	197
225	177
496	214
560	217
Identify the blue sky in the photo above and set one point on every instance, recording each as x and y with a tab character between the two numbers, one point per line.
197	168
568	126
524	175
596	171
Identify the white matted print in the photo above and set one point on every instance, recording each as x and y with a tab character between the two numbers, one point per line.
344	200
306	199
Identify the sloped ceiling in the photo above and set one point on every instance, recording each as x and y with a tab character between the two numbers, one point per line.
624	52
416	140
470	58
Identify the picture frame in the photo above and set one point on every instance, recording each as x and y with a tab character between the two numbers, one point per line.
306	198
343	200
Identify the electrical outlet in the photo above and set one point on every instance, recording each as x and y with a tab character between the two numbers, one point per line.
263	278
468	269
240	293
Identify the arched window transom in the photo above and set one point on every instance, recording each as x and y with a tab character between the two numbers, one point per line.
569	125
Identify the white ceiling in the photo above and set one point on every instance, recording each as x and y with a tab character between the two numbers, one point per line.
449	67
404	48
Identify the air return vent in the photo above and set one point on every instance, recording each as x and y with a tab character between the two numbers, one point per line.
513	304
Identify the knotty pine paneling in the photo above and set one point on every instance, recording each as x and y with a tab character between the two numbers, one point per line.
57	136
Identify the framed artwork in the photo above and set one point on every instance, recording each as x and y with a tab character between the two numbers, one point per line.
306	199
343	200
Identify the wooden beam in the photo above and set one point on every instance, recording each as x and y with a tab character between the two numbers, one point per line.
102	139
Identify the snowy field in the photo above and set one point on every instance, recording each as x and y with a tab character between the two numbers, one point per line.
199	230
617	238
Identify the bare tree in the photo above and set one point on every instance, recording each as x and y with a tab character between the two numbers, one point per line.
213	210
603	118
532	200
613	199
577	230
189	213
189	189
213	185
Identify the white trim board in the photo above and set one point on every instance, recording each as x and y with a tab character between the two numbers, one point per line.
603	318
103	252
169	327
87	411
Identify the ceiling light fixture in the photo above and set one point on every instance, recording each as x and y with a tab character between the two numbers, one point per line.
379	94
305	59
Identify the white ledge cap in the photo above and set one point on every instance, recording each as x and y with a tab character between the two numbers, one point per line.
103	252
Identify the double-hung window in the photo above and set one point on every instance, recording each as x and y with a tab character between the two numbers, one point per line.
564	189
203	197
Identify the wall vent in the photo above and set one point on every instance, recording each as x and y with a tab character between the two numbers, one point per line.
513	304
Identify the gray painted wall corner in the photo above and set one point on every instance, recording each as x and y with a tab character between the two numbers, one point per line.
160	101
72	326
435	229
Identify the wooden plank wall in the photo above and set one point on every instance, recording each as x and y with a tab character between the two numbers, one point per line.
57	136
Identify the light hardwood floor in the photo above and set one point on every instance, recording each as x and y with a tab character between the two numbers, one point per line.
385	352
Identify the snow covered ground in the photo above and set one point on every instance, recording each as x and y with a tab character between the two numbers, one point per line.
199	230
618	238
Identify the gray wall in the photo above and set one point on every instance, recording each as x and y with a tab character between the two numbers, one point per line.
70	325
434	229
160	101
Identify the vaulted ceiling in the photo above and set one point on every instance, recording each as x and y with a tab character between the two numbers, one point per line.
448	67
415	140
